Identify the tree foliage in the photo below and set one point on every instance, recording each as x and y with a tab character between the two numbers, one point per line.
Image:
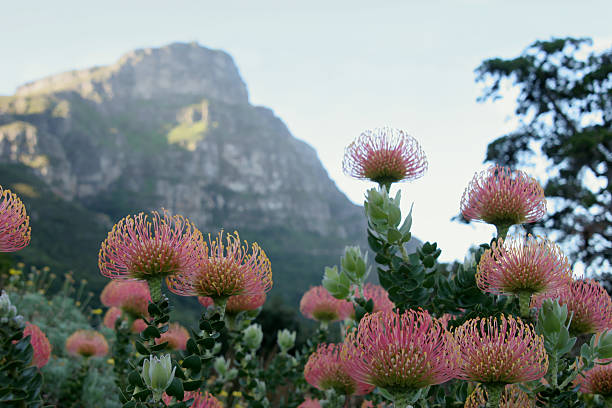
564	105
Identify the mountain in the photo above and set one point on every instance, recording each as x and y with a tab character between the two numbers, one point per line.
168	127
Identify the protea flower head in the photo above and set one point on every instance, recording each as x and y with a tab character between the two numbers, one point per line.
87	343
503	197
379	296
176	336
501	350
150	247
227	269
14	222
326	370
587	300
401	352
385	155
597	380
518	265
40	344
310	403
512	397
200	399
318	304
114	313
132	297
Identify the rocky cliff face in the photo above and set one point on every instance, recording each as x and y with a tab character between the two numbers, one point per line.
172	127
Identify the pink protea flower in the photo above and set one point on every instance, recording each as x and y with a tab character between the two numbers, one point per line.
325	370
200	399
503	197
206	301
14	222
114	313
227	269
40	344
238	303
176	336
401	352
87	343
518	265
379	296
597	380
318	304
132	297
385	155
310	403
587	300
500	350
512	397
146	248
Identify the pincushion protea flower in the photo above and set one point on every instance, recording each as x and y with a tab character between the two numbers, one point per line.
587	300
151	248
401	352
597	380
503	197
310	403
238	303
227	269
318	304
523	267
512	397
40	344
176	336
132	297
87	343
326	370
14	222
500	350
385	155
200	399
114	313
379	296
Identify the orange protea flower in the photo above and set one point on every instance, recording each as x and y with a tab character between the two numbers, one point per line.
512	397
518	265
500	350
238	303
145	248
325	370
597	380
310	403
87	343
200	399
132	297
318	304
176	336
589	302
14	222
385	155
40	344
227	269
401	352
503	197
114	313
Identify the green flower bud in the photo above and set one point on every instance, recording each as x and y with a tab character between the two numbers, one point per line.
221	366
157	374
337	284
285	340
253	335
354	265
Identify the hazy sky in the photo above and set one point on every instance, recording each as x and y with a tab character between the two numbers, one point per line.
329	69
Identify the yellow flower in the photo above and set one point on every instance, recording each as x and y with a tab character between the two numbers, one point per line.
29	283
237	394
14	271
94	311
110	360
223	393
78	303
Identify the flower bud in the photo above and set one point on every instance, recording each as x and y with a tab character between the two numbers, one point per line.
354	264
158	374
253	335
221	366
337	284
285	340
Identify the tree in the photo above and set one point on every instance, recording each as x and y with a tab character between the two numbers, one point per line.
565	110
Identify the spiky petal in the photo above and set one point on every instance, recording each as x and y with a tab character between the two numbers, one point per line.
318	304
176	336
200	399
597	380
310	403
385	155
515	266
87	343
150	247
228	268
501	350
40	344
114	313
132	297
401	351
326	370
14	222
503	197
512	397
589	302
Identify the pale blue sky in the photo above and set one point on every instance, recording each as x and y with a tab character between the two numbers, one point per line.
329	69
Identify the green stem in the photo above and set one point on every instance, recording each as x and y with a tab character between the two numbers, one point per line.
403	252
494	392
155	285
524	302
554	367
502	230
220	304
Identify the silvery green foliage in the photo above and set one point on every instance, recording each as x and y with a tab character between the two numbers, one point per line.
158	374
285	340
337	284
222	367
355	265
8	312
253	335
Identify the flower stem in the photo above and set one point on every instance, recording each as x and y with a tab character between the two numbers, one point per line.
494	392
220	304
502	230
524	301
155	289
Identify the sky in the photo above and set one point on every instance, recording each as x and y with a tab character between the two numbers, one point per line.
329	70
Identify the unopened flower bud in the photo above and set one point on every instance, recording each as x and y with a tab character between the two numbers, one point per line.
158	374
253	335
285	340
354	264
337	284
